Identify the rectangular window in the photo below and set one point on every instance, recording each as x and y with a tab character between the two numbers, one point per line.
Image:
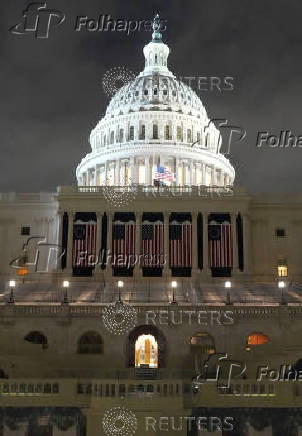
282	271
143	132
280	232
131	134
167	133
179	134
155	131
25	231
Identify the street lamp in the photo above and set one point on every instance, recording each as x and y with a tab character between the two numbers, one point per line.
120	285
12	285
227	284
281	285
174	286
65	286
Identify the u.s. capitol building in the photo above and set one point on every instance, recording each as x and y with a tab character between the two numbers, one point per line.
118	290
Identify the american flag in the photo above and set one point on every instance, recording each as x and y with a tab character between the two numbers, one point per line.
123	246
84	244
180	250
152	244
220	244
162	173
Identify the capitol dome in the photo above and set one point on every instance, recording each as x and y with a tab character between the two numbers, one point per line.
155	125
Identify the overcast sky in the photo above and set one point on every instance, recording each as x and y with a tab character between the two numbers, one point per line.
52	96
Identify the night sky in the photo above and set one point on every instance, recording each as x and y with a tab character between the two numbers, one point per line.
52	95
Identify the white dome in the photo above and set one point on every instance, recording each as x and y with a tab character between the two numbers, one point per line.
153	121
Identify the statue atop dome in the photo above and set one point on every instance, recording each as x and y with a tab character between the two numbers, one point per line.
156	35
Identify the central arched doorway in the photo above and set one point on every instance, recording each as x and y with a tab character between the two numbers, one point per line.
146	351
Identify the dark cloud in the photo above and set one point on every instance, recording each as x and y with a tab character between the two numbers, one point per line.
51	94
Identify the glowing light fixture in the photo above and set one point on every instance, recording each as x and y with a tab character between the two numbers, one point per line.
227	284
120	284
12	284
174	284
66	284
281	284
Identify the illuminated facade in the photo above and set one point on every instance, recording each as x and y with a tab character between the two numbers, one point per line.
206	274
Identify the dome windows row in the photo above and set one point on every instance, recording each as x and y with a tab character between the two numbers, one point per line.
167	133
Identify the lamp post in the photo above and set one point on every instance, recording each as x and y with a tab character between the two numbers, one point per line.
281	285
65	286
174	286
12	285
120	285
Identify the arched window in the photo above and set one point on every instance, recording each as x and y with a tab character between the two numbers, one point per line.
179	134
203	342
167	132
36	338
90	343
146	351
155	131
143	132
257	339
131	133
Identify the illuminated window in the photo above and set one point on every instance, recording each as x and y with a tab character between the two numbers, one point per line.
282	271
146	351
257	339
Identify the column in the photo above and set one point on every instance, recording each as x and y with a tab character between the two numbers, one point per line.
98	240
213	176
176	170
194	243
234	238
59	238
106	172
138	221
147	171
70	241
205	255
108	269
118	170
246	242
191	172
204	173
94	177
166	270
132	171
